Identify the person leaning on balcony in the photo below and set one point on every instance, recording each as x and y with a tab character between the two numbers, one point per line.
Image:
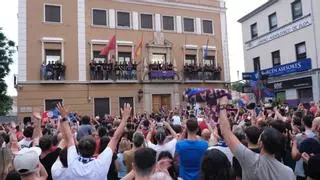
117	69
92	70
105	70
43	71
134	70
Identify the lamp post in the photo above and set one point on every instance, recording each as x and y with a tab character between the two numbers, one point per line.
140	95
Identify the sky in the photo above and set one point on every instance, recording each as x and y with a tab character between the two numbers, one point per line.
235	10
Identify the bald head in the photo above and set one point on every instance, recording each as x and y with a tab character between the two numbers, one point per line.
205	134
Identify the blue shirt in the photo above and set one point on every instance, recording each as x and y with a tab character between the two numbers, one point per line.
190	154
122	167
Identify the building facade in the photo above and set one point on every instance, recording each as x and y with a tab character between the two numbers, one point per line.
184	44
281	40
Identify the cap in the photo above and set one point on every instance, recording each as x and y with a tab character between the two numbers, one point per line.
27	160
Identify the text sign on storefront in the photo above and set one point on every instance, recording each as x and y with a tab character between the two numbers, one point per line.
291	84
298	66
287	29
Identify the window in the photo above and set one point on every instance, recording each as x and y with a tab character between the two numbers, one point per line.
99	17
123	100
301	51
51	104
97	57
123	19
190	59
273	21
52	13
256	64
52	55
207	26
254	30
124	56
188	25
296	8
161	58
209	60
168	23
276	58
146	21
101	107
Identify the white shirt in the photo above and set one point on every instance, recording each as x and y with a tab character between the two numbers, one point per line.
25	143
96	169
176	120
169	146
58	172
225	151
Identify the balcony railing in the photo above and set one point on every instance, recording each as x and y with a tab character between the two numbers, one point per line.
199	73
162	72
112	72
52	71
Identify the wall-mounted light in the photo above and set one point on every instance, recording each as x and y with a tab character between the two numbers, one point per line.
140	95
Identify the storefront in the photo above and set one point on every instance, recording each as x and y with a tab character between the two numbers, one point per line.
294	91
291	83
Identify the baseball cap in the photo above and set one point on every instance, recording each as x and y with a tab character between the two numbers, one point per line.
27	160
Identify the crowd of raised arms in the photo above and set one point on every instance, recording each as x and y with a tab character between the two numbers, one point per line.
254	142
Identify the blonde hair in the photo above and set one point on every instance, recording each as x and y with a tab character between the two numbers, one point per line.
5	162
124	145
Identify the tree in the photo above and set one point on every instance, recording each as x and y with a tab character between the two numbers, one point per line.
237	86
6	52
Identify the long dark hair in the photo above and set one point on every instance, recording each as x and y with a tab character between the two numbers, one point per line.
216	166
172	170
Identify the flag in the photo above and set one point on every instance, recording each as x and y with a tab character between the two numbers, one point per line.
138	51
205	55
110	46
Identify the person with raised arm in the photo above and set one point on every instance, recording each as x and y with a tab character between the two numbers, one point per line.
83	166
255	166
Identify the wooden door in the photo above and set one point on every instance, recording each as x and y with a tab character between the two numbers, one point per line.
156	103
166	101
161	99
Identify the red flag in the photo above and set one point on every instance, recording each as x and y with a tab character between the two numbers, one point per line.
110	46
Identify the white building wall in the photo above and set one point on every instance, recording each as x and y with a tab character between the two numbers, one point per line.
284	16
286	45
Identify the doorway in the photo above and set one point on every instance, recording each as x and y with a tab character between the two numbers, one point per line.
161	99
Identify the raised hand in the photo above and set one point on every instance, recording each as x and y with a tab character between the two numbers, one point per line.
126	111
63	111
36	113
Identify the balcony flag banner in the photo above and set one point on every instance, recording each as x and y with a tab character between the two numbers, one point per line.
138	51
110	46
205	55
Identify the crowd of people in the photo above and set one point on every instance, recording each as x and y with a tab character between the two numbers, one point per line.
53	71
261	141
199	72
109	71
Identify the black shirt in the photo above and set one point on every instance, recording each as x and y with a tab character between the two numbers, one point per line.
49	160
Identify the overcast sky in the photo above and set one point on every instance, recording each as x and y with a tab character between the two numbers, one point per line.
236	9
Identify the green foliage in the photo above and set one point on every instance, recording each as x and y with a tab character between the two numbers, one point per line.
7	48
237	86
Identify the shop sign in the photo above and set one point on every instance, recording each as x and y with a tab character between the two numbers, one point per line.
291	84
297	66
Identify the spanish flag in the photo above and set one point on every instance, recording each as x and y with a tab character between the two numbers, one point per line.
138	51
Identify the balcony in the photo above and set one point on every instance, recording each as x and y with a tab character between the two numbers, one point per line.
199	74
161	73
110	73
52	72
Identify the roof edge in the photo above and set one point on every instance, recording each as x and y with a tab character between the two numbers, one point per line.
257	10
